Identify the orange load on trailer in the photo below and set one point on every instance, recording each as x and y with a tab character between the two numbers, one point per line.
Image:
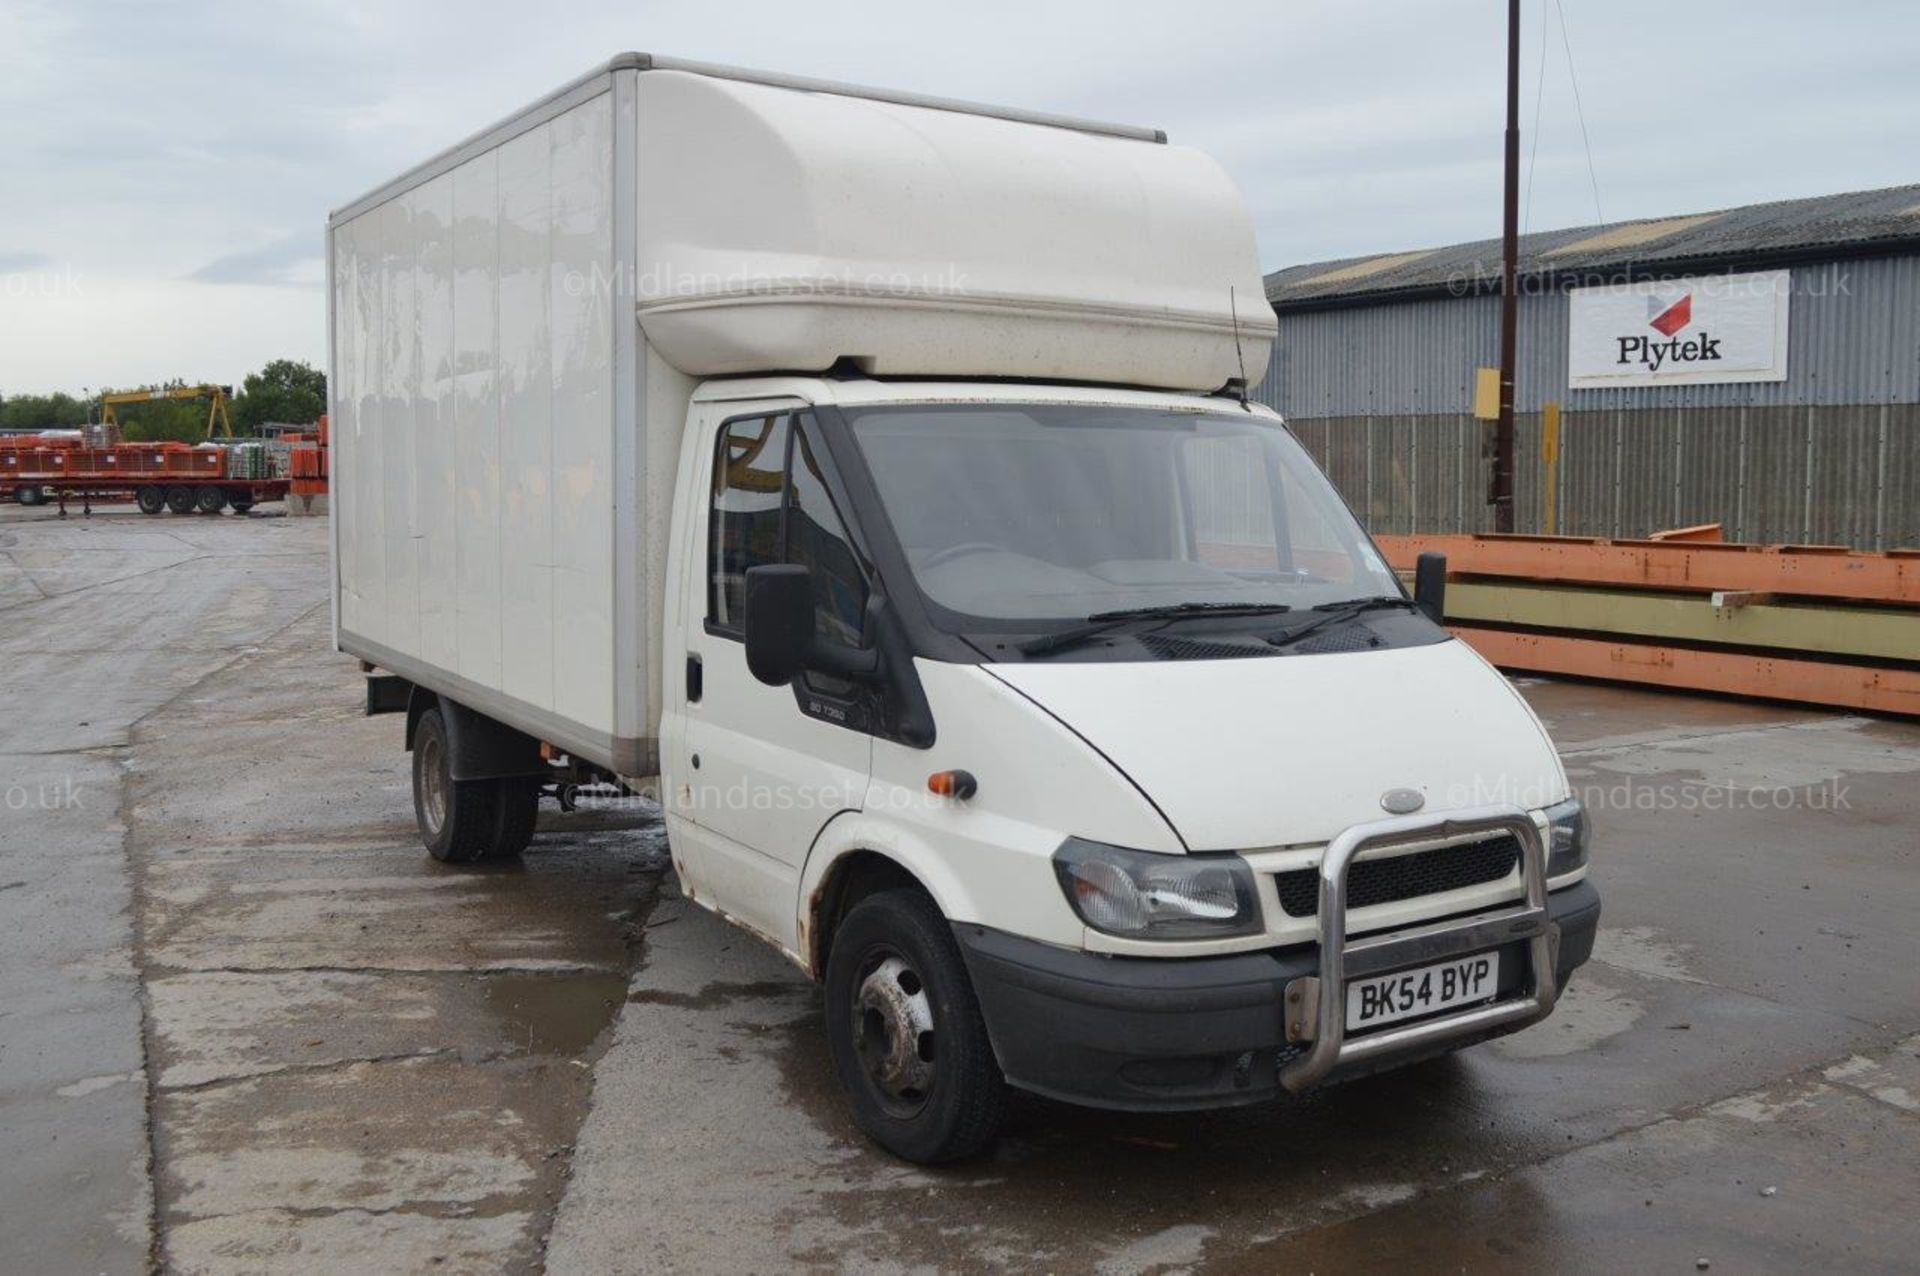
309	462
159	476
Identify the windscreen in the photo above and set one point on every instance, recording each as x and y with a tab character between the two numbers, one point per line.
1012	513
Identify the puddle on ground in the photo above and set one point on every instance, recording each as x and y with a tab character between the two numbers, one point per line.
1588	1013
557	1014
1643	951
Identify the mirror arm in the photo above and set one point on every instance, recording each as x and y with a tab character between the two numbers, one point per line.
1430	586
842	660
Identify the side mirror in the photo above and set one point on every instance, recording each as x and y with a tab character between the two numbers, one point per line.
1430	586
778	621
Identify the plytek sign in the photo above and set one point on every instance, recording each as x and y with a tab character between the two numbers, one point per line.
1698	331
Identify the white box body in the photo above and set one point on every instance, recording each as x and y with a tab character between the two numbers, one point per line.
517	325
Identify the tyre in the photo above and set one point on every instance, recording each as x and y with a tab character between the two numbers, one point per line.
31	495
466	821
240	499
909	1046
209	500
180	499
241	507
151	499
516	807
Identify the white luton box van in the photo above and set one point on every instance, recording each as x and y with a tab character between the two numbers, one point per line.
877	472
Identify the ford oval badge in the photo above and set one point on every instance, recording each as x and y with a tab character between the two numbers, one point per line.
1402	801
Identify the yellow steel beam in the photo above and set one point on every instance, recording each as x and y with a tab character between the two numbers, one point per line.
1874	633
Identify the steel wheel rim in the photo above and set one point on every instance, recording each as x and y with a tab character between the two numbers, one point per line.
433	784
894	1034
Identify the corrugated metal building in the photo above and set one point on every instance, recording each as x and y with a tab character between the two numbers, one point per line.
1375	366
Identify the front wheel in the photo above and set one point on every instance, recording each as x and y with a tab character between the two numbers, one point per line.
909	1045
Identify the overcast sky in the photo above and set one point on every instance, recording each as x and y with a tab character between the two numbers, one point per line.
168	167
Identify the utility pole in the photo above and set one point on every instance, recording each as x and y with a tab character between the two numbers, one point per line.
1501	494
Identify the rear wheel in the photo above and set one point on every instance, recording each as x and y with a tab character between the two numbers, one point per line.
516	807
209	500
466	821
909	1045
180	499
240	499
31	495
151	499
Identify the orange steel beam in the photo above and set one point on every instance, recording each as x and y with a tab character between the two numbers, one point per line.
1818	571
1684	668
1700	532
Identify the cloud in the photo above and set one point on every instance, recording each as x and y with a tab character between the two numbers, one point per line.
1358	128
296	260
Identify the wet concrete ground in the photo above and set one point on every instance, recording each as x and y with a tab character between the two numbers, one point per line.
246	1025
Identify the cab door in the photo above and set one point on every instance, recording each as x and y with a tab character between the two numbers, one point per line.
762	768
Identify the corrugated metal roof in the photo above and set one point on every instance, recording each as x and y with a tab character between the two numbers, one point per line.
1757	233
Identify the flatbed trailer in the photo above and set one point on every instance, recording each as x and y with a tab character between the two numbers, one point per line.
157	476
181	494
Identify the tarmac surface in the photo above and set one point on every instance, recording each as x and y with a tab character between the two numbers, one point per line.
247	1025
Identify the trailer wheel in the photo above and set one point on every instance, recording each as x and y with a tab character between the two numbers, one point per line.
31	495
909	1046
210	500
152	499
240	499
180	499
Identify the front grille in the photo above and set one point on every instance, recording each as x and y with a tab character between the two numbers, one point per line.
1404	876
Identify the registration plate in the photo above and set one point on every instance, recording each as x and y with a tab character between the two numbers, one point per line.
1408	994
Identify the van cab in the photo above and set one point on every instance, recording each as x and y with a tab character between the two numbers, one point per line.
1077	738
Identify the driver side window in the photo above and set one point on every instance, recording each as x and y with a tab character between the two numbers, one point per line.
770	504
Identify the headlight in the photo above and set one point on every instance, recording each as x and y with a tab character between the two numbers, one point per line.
1141	895
1568	834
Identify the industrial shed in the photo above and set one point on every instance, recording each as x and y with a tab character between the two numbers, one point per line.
1813	439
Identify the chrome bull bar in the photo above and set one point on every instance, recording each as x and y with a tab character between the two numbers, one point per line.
1316	1004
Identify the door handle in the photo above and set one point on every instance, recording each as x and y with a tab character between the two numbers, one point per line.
696	682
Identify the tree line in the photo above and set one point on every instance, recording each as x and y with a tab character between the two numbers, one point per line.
286	390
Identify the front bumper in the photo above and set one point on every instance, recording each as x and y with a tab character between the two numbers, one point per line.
1173	1034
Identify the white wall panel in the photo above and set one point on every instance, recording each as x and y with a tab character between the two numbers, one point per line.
433	422
398	347
582	453
526	418
476	433
475	449
369	547
344	415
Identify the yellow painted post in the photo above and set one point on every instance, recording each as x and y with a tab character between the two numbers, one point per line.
1550	460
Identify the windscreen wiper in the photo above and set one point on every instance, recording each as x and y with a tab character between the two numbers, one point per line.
1336	612
1101	622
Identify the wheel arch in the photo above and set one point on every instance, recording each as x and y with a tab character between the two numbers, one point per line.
482	748
418	703
854	856
853	875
